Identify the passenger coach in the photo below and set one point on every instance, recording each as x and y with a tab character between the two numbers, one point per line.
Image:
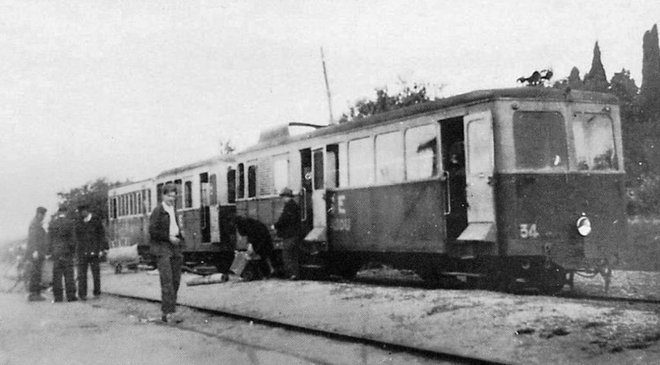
205	209
508	187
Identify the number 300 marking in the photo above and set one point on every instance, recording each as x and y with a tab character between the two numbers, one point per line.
528	231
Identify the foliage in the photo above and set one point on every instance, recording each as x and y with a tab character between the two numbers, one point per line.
650	91
94	194
595	79
226	147
385	102
644	199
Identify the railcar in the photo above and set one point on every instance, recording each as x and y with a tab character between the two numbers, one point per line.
129	206
205	206
205	210
506	187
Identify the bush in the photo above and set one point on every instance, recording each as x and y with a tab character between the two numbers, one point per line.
644	199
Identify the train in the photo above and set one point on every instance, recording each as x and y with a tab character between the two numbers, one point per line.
504	188
205	209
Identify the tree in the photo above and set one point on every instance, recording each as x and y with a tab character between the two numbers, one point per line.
573	81
94	194
384	102
226	146
595	79
650	91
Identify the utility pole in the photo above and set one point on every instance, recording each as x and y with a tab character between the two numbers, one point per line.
327	88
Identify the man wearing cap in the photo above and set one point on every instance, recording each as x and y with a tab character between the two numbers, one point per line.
62	246
35	252
166	241
288	228
91	246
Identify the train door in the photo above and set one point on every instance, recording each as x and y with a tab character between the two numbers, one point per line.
214	219
480	165
204	207
322	168
306	176
453	154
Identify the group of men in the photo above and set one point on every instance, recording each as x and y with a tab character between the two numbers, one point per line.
167	238
70	240
83	238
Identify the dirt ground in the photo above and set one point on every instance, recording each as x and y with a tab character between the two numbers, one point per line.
113	330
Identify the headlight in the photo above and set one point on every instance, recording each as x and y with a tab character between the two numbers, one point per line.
583	226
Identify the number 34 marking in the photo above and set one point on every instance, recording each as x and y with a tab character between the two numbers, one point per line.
528	231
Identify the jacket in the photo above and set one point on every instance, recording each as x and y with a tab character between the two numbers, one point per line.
257	234
288	225
159	229
61	238
90	237
37	239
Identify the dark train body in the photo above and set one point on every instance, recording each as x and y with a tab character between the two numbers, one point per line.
536	164
508	187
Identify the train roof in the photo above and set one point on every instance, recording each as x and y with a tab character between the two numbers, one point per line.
208	161
280	135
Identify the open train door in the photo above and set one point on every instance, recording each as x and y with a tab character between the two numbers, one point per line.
205	209
214	219
313	194
480	165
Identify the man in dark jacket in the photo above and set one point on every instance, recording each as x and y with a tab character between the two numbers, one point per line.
61	247
166	245
288	228
35	252
91	246
258	236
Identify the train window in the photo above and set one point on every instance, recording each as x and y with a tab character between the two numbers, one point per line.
148	201
240	189
480	146
280	174
159	193
421	148
360	162
187	192
204	189
179	196
332	166
389	158
317	157
231	186
113	208
539	140
252	181
213	181
594	142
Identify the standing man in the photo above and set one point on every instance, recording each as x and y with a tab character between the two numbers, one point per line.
91	246
166	241
288	228
36	251
61	247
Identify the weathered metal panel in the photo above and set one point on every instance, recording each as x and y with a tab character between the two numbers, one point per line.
395	218
537	214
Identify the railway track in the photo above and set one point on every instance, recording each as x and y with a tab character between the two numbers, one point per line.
445	357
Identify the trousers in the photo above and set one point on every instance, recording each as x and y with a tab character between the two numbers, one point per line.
93	263
35	276
290	256
63	269
169	268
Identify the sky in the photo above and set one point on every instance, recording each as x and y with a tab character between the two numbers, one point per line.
126	89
